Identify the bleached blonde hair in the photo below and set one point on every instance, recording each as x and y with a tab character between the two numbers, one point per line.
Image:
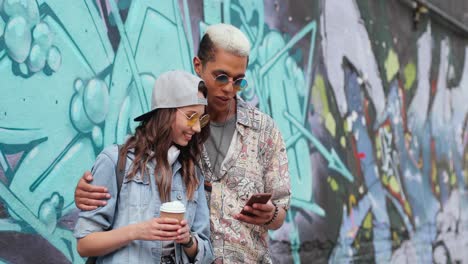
226	37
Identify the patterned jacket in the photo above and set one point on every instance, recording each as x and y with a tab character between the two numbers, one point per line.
256	162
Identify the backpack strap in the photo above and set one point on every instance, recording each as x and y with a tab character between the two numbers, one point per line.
120	168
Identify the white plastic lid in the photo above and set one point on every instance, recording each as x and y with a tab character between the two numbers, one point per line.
173	207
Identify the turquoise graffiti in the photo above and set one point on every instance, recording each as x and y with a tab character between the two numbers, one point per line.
66	93
375	122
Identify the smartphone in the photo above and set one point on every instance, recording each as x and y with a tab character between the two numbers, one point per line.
261	198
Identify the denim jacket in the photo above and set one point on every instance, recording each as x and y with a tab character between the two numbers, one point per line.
139	201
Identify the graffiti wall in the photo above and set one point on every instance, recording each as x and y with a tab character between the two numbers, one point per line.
370	100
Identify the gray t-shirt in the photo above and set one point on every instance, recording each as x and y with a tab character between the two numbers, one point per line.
218	143
168	248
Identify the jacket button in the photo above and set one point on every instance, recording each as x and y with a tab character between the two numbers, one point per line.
179	197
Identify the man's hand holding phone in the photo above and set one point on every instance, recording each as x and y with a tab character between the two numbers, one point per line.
258	210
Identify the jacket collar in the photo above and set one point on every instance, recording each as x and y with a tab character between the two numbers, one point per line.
248	117
243	113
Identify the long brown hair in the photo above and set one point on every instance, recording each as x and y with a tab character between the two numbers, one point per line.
151	142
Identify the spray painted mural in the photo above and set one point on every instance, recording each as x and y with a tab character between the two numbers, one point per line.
373	113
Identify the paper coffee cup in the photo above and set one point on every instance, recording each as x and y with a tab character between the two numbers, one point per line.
173	209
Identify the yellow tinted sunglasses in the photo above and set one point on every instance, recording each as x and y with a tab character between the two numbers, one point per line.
192	120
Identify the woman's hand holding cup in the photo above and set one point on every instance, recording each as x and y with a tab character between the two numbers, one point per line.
165	229
183	236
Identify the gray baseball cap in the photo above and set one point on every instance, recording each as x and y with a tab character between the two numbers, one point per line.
174	89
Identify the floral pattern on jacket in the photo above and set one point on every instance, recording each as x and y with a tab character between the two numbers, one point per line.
256	162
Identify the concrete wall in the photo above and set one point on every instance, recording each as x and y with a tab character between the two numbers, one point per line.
371	104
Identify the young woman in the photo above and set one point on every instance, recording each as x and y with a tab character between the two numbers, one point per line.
161	166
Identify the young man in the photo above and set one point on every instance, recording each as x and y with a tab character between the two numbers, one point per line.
244	155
